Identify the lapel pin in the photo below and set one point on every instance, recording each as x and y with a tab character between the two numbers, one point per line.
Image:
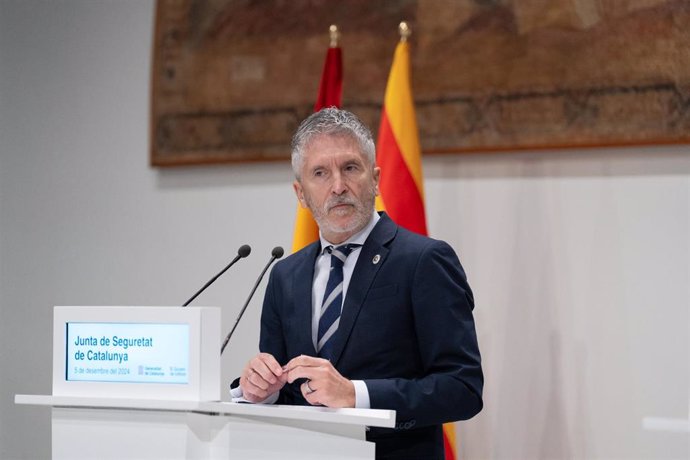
376	259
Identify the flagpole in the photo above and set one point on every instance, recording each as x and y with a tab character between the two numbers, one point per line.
404	31
334	35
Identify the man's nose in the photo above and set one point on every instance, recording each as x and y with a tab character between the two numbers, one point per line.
339	187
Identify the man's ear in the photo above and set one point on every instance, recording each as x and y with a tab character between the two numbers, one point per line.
300	193
377	177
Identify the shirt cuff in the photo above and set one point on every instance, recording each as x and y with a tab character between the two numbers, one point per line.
361	395
237	397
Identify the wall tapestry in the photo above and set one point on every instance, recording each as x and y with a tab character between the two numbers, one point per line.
231	79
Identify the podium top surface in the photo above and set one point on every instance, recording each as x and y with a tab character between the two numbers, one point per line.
369	417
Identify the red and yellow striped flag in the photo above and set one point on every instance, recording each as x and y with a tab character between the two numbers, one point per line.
330	94
399	156
398	153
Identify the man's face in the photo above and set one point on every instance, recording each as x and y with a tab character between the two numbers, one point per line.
338	185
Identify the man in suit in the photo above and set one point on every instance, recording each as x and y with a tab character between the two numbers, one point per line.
371	315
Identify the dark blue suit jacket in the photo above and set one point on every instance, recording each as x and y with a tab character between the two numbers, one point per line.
406	329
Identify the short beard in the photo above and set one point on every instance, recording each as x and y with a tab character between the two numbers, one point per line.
361	217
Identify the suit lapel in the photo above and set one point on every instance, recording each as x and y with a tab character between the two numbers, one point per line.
373	255
302	279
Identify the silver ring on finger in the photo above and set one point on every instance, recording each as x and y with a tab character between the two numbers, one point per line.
310	390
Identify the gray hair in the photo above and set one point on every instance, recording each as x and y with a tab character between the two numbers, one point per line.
336	122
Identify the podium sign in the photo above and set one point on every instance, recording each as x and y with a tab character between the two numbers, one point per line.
144	382
170	353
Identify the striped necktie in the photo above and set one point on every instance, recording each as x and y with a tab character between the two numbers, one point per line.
332	300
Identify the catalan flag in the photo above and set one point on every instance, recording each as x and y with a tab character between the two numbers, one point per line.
398	154
330	95
398	151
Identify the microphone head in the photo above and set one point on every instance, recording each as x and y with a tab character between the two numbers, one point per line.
277	252
244	250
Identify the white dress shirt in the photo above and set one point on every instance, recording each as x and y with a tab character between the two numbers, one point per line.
321	272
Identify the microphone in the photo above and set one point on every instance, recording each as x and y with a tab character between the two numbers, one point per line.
242	252
277	253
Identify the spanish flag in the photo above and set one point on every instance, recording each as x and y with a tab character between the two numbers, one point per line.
398	154
330	94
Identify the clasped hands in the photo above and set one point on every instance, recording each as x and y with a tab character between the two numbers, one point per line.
325	386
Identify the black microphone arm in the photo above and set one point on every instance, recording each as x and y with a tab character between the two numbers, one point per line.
277	253
242	252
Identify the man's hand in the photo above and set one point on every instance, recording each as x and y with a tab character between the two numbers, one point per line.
325	386
261	377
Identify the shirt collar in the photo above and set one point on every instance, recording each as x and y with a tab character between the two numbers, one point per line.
358	238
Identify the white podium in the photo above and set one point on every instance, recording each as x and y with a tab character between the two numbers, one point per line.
144	383
112	428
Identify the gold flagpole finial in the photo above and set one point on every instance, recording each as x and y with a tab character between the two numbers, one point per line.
335	35
404	31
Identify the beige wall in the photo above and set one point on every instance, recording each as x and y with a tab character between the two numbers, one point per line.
579	260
